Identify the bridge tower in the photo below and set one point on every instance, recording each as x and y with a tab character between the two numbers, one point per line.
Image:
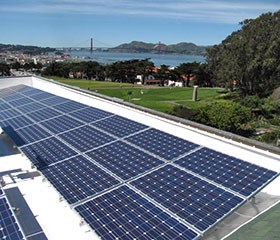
91	45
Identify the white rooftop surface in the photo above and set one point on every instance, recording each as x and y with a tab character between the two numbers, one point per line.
57	219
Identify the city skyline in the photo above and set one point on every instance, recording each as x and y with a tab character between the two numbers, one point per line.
71	23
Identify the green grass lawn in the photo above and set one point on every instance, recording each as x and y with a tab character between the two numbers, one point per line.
266	226
162	99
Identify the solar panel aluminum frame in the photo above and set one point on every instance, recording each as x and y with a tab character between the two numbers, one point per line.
175	163
202	232
88	198
199	235
13	214
262	187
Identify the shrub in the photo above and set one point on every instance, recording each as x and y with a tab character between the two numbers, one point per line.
228	116
181	111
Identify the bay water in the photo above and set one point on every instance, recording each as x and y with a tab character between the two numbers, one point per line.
171	60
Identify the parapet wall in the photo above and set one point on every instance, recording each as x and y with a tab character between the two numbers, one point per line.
12	81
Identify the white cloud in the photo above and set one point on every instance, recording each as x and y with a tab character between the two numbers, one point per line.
198	10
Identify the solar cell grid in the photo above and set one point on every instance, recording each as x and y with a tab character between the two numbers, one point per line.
21	88
21	101
43	114
31	91
86	138
90	114
3	106
124	214
41	96
5	93
124	160
196	201
119	126
162	144
235	174
9	113
9	228
78	178
17	122
70	106
61	124
52	101
32	133
48	151
30	107
12	96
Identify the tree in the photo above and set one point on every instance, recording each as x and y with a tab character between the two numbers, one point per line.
126	71
163	73
188	69
203	76
250	56
16	65
4	69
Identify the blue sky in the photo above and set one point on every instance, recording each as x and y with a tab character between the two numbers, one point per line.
71	23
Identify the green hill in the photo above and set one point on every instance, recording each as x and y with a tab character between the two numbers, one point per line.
142	47
25	49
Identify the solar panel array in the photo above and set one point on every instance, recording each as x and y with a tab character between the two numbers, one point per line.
9	227
126	180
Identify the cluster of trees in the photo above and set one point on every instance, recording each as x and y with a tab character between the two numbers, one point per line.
250	56
247	61
87	70
5	69
126	71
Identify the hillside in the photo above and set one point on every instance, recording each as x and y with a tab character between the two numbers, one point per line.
24	49
142	47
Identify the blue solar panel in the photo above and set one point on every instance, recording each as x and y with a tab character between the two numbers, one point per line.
6	92
124	160
12	96
54	101
9	228
31	107
78	178
90	114
4	106
21	101
44	114
21	88
32	133
61	124
240	176
48	151
162	144
196	201
119	126
86	138
17	122
124	214
9	113
31	91
41	96
70	106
